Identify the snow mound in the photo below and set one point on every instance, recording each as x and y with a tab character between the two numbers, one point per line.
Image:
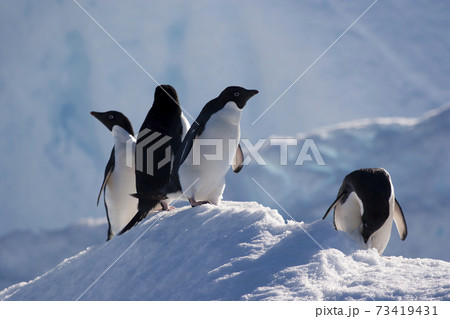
238	251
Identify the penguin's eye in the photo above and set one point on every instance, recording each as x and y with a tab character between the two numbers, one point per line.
236	94
111	117
365	225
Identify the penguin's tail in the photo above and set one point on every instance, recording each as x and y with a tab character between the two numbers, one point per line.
140	215
145	205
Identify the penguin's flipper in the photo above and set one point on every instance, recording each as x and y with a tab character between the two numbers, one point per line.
238	160
186	146
110	233
333	205
195	130
399	220
108	170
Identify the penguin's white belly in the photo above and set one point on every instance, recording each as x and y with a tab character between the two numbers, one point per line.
347	216
348	219
122	183
202	175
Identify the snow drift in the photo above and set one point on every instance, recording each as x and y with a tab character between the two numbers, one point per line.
239	251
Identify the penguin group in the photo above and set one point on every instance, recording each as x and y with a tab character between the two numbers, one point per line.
145	174
168	160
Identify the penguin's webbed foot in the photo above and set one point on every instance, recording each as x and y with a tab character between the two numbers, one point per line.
166	207
194	203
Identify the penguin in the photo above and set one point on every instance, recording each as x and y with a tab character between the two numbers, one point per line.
366	206
202	180
159	139
119	179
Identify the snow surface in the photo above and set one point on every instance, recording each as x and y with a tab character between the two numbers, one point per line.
239	251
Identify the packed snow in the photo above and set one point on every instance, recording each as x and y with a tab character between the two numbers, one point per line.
239	251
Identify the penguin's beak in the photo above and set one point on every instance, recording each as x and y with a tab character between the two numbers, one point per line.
95	114
101	117
249	94
366	235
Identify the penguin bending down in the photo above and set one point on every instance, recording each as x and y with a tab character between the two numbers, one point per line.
366	206
159	139
119	180
210	146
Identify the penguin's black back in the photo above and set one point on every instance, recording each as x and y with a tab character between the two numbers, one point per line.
373	187
164	117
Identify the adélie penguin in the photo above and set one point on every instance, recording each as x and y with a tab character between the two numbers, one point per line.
210	147
159	139
119	179
366	206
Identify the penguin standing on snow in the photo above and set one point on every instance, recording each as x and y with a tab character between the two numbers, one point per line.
119	180
200	176
366	206
159	139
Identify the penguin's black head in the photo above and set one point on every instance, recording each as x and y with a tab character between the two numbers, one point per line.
112	118
237	94
368	230
373	188
166	95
